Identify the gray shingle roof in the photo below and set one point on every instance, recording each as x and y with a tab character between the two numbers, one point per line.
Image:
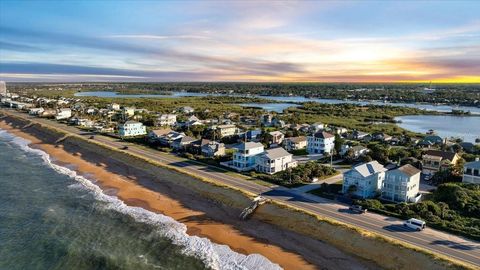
442	154
276	153
370	168
409	170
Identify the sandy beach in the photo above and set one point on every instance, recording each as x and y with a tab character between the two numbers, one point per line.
136	195
137	187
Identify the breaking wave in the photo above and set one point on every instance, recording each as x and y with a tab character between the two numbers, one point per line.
214	256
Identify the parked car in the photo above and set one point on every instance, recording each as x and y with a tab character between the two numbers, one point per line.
357	209
125	147
415	224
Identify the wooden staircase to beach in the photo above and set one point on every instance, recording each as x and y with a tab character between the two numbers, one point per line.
257	201
62	139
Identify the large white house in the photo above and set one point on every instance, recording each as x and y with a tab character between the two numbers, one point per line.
166	120
131	129
471	172
402	184
244	156
274	160
63	113
364	180
320	143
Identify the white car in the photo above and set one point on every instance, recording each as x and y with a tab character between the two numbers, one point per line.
415	224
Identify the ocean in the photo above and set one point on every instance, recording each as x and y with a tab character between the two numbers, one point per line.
52	218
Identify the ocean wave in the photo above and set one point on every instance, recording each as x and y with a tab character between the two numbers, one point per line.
215	256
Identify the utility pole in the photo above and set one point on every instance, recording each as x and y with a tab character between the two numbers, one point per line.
331	158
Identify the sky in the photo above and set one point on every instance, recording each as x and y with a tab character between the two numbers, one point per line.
241	41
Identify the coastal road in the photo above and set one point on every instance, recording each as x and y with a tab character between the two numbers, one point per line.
439	242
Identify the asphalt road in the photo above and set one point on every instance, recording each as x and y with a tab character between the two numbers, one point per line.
439	242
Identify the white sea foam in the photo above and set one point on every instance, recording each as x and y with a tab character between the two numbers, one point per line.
215	256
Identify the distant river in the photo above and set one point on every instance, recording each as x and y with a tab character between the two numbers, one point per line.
285	100
465	127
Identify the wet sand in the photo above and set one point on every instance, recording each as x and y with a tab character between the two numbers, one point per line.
134	194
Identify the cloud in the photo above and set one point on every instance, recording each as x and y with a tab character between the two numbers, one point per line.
160	37
19	47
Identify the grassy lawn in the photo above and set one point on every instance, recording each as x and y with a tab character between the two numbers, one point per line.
328	191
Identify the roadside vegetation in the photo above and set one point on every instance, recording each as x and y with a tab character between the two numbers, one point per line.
452	207
300	175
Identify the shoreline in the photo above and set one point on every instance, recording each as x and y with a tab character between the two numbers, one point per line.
124	186
324	242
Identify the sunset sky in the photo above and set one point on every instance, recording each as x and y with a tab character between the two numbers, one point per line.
328	41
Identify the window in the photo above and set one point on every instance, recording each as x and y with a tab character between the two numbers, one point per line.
476	172
468	171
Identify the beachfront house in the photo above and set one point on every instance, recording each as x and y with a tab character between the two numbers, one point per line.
131	129
434	161
295	143
320	143
274	160
63	113
168	138
182	143
402	184
166	120
364	180
156	134
471	172
244	155
213	149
